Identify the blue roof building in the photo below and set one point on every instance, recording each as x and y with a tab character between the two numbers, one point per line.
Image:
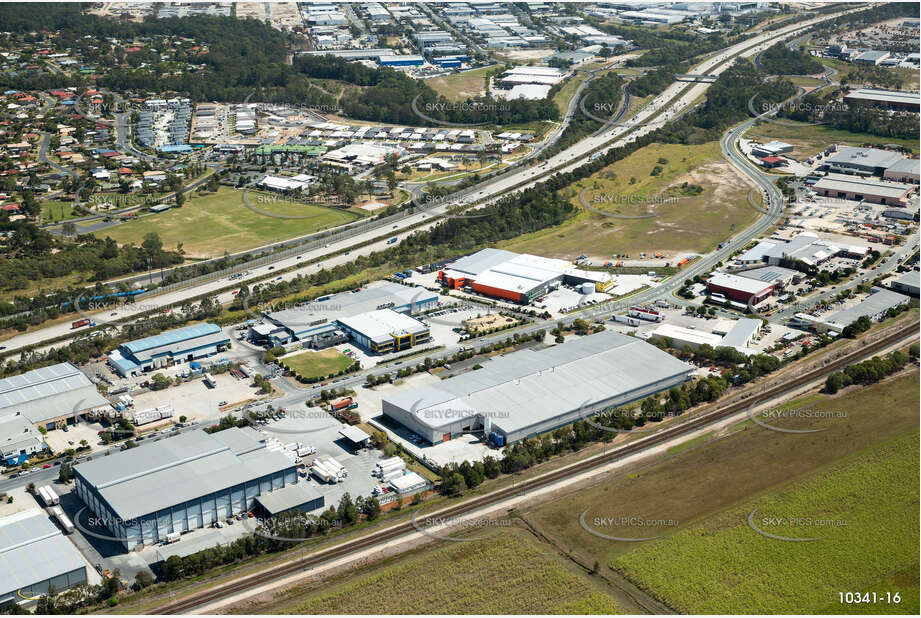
175	346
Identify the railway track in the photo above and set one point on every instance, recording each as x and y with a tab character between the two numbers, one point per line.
349	547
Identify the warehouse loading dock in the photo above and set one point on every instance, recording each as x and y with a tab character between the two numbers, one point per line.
530	392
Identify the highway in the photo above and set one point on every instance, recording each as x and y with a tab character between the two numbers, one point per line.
671	102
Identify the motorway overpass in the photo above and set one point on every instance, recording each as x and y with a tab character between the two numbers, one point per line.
671	102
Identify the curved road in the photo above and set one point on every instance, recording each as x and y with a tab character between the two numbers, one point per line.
672	101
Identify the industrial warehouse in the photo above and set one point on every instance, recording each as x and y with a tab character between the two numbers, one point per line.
530	392
35	556
740	289
190	481
520	278
163	350
50	397
806	247
377	318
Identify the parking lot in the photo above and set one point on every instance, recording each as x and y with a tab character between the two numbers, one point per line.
59	440
321	431
196	400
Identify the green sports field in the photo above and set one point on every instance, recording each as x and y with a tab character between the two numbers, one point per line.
209	225
312	364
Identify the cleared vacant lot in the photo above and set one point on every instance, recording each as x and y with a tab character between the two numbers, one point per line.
677	217
808	140
208	226
502	572
461	86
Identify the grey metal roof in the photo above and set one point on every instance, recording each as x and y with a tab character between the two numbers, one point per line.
906	165
769	274
741	332
158	475
868	186
287	498
353	433
32	550
481	261
48	392
874	305
864	157
349	304
528	387
381	326
17	432
912	278
888	96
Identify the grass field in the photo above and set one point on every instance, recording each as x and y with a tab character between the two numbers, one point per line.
209	225
502	572
909	77
732	469
318	364
566	93
55	210
869	509
811	139
687	223
461	86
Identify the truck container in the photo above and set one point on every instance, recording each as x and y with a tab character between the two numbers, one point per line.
388	461
210	381
682	262
393	474
662	303
392	468
392	240
645	314
341	404
80	323
626	319
63	519
334	466
172	537
321	473
48	495
497	438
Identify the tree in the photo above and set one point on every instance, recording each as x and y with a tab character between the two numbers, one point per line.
372	508
66	473
834	382
171	569
159	382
